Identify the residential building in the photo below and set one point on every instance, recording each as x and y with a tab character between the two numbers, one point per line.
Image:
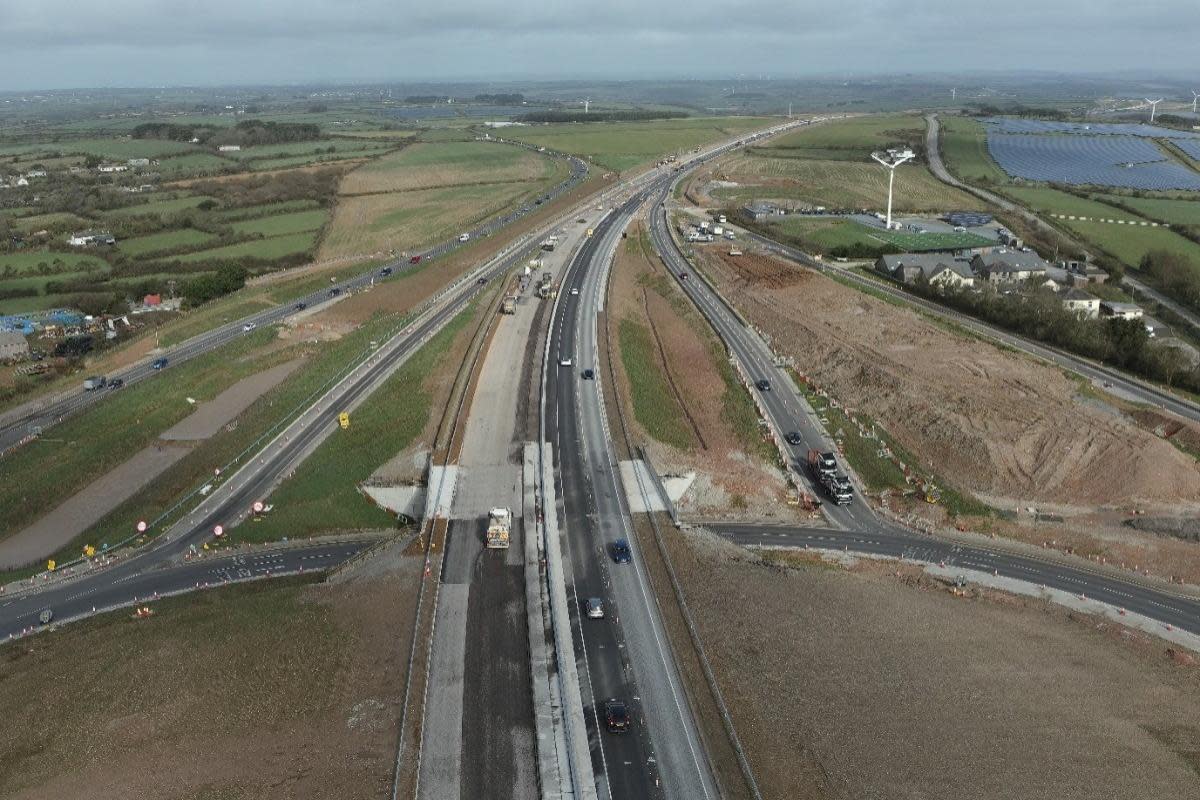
91	239
938	269
139	162
1080	302
1084	272
229	148
36	173
1111	310
1008	266
112	168
13	346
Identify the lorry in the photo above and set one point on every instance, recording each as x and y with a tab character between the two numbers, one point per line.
839	488
821	464
93	383
499	525
508	305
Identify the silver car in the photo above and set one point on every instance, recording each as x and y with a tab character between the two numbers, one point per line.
595	608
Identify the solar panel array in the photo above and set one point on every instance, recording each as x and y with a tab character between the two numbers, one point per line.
1015	125
1130	162
1189	146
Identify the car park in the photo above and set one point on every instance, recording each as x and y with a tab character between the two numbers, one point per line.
621	552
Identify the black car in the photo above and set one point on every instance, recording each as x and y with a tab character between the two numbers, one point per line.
616	716
116	383
385	272
158	363
763	385
300	306
481	281
589	374
334	292
793	437
621	552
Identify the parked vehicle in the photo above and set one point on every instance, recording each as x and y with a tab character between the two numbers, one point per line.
383	273
300	306
158	363
116	383
415	260
93	383
334	292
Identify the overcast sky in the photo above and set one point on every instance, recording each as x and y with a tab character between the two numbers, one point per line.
74	43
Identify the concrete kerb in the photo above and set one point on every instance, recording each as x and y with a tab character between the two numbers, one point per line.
551	738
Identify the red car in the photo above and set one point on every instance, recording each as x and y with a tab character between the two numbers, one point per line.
415	260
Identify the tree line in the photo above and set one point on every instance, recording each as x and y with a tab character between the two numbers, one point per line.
599	116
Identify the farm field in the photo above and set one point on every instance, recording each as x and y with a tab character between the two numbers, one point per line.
159	205
1046	200
266	249
238	664
57	221
851	139
862	688
114	149
835	184
30	261
1170	210
431	191
965	152
621	145
280	224
167	240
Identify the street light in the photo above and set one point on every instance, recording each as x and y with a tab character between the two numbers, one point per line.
892	159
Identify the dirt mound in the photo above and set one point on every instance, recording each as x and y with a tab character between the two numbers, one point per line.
758	270
1001	425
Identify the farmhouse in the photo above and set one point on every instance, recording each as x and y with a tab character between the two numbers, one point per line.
91	238
13	346
1111	310
1080	302
1008	266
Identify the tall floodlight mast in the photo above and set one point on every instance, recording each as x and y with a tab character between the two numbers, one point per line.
1153	107
892	159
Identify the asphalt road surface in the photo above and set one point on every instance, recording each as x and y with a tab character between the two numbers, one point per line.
15	431
857	527
20	612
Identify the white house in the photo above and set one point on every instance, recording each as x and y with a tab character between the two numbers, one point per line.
21	181
1080	302
229	148
91	238
1111	310
112	168
139	162
36	173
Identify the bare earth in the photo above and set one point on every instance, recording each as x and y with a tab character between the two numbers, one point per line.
865	685
258	691
1006	428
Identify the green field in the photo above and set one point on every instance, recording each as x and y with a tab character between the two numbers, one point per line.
28	261
1172	211
252	212
323	493
196	163
654	405
281	224
266	249
60	221
159	205
964	150
852	139
1045	200
621	145
836	184
185	238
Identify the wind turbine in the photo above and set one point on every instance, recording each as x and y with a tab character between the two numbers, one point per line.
954	94
587	102
1153	107
1195	97
892	159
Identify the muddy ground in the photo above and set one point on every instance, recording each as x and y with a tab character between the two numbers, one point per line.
267	690
865	684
